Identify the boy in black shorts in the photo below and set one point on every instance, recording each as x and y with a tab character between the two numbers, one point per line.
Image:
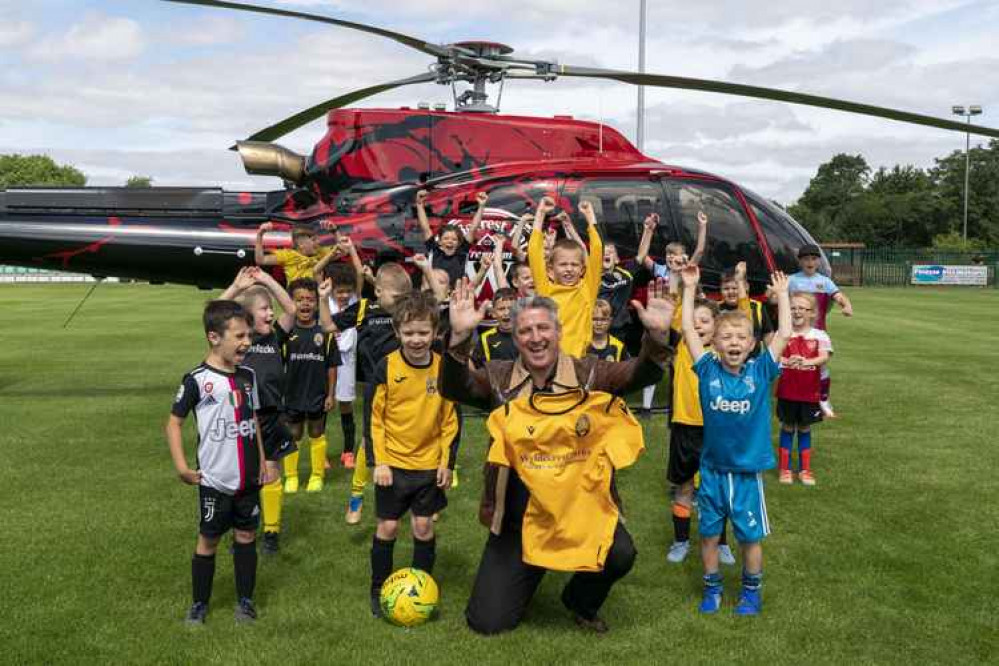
414	440
223	396
311	357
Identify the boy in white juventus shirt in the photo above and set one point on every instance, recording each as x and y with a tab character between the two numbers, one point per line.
230	470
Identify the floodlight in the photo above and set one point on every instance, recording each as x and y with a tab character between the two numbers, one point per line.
974	109
958	110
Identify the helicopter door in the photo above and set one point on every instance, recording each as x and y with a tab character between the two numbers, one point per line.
730	234
621	205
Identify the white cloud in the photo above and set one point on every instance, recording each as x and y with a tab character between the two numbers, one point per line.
15	33
96	38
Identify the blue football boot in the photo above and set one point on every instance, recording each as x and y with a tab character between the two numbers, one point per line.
750	602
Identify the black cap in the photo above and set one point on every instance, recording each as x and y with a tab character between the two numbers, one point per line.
809	250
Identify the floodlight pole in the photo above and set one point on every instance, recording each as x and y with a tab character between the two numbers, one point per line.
973	110
640	134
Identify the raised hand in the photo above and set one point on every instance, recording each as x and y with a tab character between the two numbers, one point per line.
421	197
740	271
265	227
657	313
691	275
487	260
481	198
546	205
326	288
463	314
651	221
421	261
702	218
779	283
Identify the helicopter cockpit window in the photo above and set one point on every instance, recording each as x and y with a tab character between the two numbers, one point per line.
730	235
621	206
782	237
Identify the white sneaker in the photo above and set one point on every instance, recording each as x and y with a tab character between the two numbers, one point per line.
725	555
678	552
827	409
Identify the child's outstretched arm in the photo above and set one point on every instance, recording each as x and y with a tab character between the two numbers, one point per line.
485	265
595	259
481	198
517	237
691	275
325	316
421	215
438	290
355	261
288	309
260	257
702	237
498	273
648	229
319	270
779	286
536	247
743	298
844	303
569	229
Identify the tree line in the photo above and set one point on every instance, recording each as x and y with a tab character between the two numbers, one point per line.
904	206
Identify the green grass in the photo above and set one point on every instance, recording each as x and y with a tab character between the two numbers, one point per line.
890	559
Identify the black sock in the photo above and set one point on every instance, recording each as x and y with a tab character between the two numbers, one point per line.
381	563
202	575
244	563
681	528
723	539
424	554
347	424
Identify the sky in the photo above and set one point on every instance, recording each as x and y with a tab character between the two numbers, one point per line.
144	87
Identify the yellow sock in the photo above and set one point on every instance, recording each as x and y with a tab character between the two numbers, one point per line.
291	465
360	478
270	505
317	453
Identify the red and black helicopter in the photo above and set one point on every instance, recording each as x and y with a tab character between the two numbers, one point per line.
363	175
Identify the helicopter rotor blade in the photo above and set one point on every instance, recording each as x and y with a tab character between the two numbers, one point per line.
412	42
708	85
301	118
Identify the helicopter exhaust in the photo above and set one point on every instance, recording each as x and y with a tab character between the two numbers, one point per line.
261	158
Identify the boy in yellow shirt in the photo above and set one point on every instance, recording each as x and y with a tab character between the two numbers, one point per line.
414	440
570	276
298	262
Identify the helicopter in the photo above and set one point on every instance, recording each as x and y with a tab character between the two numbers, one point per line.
362	177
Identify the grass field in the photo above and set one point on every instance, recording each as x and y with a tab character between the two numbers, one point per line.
892	558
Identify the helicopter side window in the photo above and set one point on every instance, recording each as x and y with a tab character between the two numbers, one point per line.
783	239
621	206
730	234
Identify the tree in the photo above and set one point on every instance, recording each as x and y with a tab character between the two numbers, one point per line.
37	170
838	182
139	181
983	191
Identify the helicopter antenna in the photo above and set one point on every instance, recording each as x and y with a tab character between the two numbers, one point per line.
600	112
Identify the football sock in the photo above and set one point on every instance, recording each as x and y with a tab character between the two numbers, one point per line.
381	563
349	431
752	581
681	522
244	564
317	454
786	443
291	465
424	554
359	479
202	575
723	537
270	505
713	580
805	450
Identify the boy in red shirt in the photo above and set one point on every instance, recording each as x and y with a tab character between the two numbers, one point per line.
798	389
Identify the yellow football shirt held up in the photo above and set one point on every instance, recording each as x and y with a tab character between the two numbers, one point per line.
565	448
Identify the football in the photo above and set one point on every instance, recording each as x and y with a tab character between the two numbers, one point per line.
409	597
